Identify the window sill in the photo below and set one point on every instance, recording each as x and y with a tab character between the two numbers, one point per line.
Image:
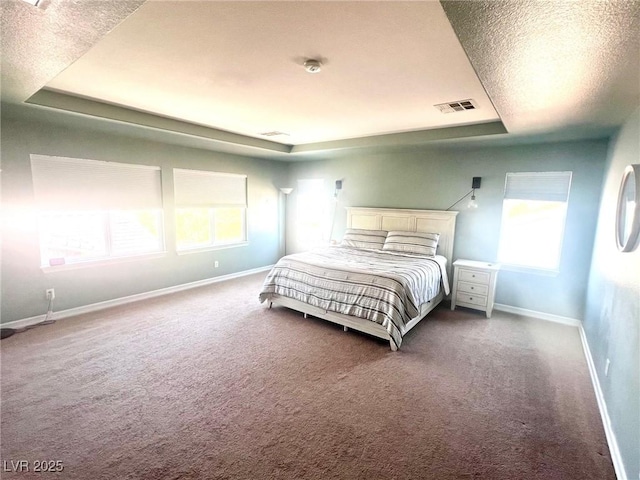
545	272
102	262
211	248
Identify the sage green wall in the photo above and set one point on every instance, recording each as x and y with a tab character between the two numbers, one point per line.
23	281
435	177
427	177
612	319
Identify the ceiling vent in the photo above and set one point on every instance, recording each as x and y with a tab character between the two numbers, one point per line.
457	106
273	133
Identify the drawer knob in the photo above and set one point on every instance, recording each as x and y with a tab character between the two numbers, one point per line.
473	276
472	288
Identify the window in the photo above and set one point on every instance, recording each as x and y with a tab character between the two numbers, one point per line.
210	209
534	210
312	212
91	210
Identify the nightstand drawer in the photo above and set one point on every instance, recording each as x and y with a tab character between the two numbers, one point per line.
480	300
473	276
474	288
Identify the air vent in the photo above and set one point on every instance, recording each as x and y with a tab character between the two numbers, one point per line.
273	133
457	106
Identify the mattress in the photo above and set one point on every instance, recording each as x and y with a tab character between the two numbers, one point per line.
384	287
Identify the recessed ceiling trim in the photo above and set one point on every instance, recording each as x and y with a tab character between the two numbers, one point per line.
406	138
60	101
69	103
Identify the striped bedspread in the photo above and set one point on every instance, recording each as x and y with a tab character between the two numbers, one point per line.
384	287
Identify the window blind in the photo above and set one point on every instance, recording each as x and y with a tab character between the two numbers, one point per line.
70	184
548	186
197	188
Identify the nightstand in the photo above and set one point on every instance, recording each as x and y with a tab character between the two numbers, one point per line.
474	285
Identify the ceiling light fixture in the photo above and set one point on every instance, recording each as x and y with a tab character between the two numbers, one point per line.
312	66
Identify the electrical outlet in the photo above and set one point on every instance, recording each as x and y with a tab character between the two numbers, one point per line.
606	368
50	293
216	264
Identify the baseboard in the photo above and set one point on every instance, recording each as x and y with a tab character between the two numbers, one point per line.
574	322
71	312
616	458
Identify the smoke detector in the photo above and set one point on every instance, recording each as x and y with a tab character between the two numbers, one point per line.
312	66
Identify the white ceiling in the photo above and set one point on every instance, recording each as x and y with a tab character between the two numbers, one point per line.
236	66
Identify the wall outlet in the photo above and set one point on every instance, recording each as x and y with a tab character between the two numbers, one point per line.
216	264
606	368
50	293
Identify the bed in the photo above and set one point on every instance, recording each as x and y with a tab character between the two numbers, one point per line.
376	288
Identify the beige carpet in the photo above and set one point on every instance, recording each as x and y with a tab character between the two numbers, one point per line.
211	384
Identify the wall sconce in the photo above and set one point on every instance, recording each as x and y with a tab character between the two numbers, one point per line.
335	208
475	185
338	188
286	190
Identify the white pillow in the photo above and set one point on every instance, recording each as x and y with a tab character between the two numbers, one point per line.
412	242
360	238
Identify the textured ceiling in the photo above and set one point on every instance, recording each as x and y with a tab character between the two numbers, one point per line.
554	65
556	68
38	43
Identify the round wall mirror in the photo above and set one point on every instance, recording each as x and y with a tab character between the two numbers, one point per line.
628	213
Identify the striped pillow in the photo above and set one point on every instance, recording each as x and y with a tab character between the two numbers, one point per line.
412	242
360	238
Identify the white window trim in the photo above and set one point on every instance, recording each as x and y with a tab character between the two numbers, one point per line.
54	177
218	246
101	262
514	267
209	248
191	190
546	272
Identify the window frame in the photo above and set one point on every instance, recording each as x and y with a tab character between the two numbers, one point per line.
213	245
559	193
65	186
195	189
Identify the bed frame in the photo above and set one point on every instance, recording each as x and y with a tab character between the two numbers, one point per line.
437	221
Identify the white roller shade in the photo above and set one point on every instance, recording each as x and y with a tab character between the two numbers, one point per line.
61	183
548	186
197	188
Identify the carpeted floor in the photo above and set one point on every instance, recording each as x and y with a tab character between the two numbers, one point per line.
210	384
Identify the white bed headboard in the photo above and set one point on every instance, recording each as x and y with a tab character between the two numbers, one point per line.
432	221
